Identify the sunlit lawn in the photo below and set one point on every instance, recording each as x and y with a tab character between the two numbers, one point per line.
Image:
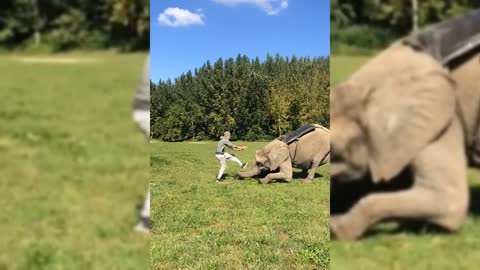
73	165
199	224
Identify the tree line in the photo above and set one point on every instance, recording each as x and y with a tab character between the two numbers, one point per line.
373	23
62	25
252	99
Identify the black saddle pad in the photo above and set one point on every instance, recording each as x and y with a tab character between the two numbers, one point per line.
292	136
446	41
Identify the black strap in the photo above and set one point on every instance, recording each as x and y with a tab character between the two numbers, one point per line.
295	153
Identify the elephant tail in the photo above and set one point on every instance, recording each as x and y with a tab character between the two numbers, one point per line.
325	159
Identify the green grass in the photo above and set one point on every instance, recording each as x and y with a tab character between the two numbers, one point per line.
406	249
342	66
73	165
199	224
346	49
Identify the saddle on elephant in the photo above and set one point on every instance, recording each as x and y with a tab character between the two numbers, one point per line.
300	132
449	40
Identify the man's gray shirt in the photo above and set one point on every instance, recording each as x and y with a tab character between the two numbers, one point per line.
224	142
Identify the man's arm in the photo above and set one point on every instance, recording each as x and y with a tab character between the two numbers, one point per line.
239	148
230	145
234	147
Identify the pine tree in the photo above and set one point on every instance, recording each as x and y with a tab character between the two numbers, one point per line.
250	98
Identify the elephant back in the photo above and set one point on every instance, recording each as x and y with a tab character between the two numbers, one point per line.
300	132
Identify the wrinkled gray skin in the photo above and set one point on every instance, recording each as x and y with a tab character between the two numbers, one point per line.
400	111
311	150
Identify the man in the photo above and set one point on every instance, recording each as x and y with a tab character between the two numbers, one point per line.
141	116
222	156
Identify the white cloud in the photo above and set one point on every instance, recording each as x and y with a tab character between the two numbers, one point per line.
176	17
271	7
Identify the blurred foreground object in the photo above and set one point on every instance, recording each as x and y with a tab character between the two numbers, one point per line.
141	116
403	128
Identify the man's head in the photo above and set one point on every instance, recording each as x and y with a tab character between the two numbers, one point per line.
227	135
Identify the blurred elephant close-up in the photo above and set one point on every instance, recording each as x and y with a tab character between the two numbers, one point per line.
405	127
306	148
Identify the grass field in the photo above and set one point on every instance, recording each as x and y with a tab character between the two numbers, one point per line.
199	224
408	249
73	165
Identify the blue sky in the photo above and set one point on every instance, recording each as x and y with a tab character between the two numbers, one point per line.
184	34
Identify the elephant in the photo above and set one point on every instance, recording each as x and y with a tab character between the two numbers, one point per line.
306	148
405	127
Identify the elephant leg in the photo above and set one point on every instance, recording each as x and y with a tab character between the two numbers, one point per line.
313	168
312	171
285	173
416	203
439	194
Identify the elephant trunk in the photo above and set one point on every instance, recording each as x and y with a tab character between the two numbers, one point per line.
253	171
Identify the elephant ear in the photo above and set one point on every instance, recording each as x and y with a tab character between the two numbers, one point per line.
278	155
402	116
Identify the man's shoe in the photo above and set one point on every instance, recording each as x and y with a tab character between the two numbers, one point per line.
244	165
143	225
220	181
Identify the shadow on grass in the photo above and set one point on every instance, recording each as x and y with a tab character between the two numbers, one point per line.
475	200
407	227
299	175
302	174
344	195
155	159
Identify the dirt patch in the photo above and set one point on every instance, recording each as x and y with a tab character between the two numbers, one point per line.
283	236
234	254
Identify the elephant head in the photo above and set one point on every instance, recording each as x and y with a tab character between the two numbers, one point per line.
378	128
349	140
267	159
